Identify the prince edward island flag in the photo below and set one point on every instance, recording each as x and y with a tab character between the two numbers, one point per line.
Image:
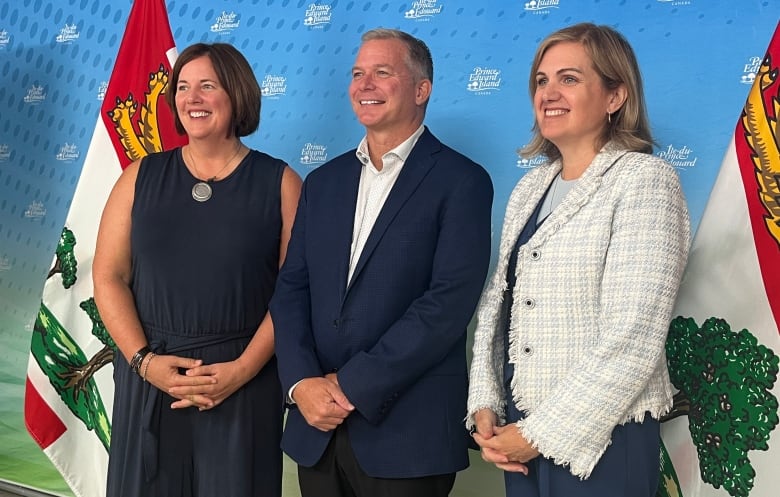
721	438
69	391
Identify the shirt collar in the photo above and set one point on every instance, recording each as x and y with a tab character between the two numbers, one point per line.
402	151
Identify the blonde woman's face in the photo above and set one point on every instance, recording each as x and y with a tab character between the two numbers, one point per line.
571	102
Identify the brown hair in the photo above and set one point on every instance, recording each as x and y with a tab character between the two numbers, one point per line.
234	74
614	61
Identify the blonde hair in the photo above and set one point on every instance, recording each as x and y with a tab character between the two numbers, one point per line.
614	61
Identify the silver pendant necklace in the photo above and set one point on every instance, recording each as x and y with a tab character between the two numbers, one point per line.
202	190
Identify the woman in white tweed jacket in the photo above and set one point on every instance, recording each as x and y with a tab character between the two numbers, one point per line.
569	377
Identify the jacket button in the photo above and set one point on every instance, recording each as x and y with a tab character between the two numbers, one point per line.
529	303
536	254
527	350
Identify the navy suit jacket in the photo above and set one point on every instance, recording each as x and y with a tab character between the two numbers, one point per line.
396	336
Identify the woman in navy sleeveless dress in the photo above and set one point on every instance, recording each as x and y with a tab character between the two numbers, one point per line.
188	251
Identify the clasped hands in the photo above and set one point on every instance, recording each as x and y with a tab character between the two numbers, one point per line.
322	402
503	446
201	386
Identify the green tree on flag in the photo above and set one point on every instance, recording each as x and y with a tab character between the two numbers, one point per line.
60	356
65	262
724	381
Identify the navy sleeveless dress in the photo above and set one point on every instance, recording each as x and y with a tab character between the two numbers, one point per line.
202	276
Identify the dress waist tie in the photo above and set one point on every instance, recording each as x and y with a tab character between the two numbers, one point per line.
152	407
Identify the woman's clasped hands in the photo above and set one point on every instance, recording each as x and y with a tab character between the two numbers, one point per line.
193	383
503	446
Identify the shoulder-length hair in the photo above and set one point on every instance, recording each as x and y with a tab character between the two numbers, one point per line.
614	61
236	77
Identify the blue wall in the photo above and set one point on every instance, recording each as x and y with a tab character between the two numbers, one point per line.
697	57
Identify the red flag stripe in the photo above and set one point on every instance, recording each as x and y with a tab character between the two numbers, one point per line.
42	422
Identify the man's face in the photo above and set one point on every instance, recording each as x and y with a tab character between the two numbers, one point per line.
384	92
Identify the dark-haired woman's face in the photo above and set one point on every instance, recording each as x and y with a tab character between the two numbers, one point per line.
203	105
570	101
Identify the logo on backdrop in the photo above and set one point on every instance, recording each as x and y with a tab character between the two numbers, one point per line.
5	38
681	158
273	86
5	152
423	10
536	160
68	153
484	80
317	15
102	89
35	95
35	210
541	6
750	69
5	264
68	34
676	2
313	154
226	23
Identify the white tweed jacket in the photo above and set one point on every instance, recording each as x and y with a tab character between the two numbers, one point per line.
592	305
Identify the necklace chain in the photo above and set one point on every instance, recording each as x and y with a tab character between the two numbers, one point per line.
213	178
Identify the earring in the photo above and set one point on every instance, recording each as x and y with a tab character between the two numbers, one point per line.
609	118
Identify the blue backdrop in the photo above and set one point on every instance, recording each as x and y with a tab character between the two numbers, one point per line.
698	59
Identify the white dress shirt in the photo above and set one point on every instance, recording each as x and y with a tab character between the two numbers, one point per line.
374	188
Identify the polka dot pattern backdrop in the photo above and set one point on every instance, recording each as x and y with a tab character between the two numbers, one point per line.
697	57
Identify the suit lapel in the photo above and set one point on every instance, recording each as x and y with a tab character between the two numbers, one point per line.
416	167
343	222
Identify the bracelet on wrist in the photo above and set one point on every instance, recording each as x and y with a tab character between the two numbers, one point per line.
138	358
148	361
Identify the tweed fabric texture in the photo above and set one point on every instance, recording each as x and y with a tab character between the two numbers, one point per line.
595	289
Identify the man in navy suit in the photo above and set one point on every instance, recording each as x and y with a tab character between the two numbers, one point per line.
388	255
